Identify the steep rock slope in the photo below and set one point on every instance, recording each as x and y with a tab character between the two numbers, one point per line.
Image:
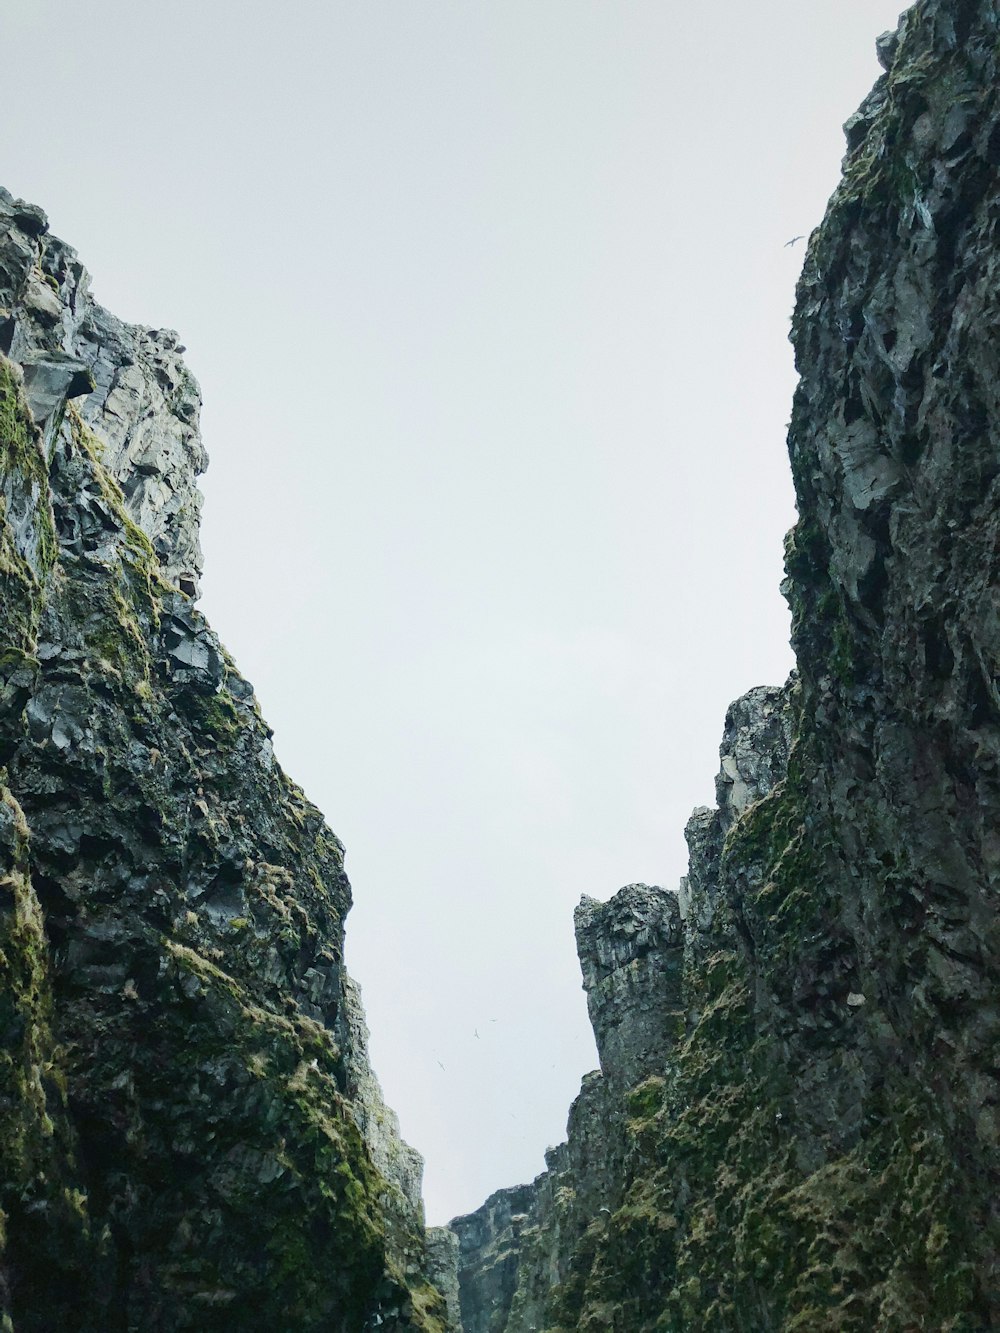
190	1134
821	1150
524	1244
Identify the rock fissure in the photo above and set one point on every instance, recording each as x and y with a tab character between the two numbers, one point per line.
796	1122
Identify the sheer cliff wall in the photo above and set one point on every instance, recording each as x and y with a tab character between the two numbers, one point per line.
820	1150
190	1133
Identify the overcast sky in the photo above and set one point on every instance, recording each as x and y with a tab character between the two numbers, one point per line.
489	303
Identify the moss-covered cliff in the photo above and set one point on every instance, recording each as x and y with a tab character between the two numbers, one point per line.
820	1151
802	1131
186	1110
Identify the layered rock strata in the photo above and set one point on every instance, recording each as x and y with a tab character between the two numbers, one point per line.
820	1149
190	1134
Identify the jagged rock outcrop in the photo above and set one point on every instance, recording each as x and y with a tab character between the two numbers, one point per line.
631	954
528	1245
753	759
821	1150
130	384
190	1134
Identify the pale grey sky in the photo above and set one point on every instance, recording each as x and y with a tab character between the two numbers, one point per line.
489	303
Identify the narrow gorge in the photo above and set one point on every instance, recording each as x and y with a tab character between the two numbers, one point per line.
796	1121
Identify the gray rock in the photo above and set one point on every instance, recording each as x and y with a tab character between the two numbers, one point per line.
138	398
886	45
520	1245
631	953
442	1269
50	379
831	1112
400	1164
191	1135
488	1243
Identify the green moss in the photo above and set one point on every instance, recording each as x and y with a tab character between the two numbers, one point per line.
24	459
215	718
43	1209
646	1099
726	1227
135	540
231	1185
304	1244
21	446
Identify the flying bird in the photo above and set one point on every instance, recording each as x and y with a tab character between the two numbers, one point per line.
793	240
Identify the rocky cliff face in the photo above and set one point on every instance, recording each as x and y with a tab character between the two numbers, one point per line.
528	1246
190	1134
818	1149
796	1125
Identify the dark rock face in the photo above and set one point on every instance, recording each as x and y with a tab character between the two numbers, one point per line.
797	1122
489	1243
442	1270
132	386
819	1149
190	1134
753	760
527	1247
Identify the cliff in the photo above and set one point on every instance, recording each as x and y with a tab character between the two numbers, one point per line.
528	1246
190	1134
816	1147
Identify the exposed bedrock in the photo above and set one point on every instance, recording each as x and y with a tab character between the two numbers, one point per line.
796	1124
130	384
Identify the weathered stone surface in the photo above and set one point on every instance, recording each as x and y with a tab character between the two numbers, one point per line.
442	1270
631	953
190	1134
753	760
141	402
50	380
488	1256
521	1245
400	1164
798	1126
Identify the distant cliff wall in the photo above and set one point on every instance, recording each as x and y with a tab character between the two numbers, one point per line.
527	1244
